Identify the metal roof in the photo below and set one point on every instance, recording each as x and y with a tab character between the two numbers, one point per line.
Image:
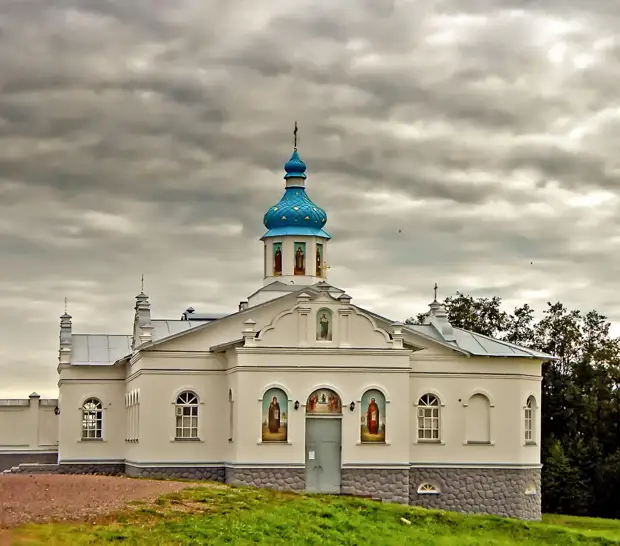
99	348
478	344
164	328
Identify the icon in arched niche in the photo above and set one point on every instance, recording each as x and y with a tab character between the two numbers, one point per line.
324	325
300	259
277	259
275	416
373	417
324	402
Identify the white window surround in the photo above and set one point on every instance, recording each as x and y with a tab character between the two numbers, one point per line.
428	419
92	420
428	489
186	416
529	421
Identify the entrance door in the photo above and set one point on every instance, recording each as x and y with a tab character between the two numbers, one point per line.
323	441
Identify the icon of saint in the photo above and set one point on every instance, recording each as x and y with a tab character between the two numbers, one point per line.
277	262
324	327
274	416
372	417
300	268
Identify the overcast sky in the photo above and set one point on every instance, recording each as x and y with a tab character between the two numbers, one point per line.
473	143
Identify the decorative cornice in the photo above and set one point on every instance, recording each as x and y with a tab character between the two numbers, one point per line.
388	351
483	375
288	368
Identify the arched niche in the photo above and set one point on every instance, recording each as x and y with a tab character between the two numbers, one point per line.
372	425
324	401
274	416
324	325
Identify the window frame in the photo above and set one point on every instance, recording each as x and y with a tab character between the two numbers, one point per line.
529	421
428	408
188	402
92	420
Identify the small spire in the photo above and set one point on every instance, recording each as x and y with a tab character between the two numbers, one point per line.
65	305
435	291
142	284
295	137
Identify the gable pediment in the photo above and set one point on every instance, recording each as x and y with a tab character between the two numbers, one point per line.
324	320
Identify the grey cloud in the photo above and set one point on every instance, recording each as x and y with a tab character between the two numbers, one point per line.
150	137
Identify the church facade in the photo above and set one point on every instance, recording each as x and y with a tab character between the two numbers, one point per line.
300	389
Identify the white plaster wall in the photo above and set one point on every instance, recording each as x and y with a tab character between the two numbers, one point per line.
158	423
77	384
506	412
28	425
299	376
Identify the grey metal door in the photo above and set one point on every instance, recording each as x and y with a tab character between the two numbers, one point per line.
323	455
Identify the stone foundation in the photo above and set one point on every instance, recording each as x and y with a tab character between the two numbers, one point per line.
211	473
9	460
502	492
280	479
99	469
390	485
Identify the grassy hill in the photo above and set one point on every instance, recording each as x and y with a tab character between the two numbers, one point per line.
215	514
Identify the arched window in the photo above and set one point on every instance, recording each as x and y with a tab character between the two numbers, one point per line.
186	411
428	418
92	419
427	489
478	420
530	420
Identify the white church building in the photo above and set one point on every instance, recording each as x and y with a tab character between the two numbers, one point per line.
300	389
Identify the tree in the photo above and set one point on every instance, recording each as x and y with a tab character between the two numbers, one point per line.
580	396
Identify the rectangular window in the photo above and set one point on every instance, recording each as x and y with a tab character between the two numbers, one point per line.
187	422
428	423
529	436
92	425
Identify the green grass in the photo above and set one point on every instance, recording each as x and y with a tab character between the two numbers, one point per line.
241	516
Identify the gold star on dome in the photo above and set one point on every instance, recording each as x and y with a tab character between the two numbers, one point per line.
283	217
295	208
275	208
307	218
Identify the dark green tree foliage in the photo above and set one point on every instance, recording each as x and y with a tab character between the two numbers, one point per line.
580	397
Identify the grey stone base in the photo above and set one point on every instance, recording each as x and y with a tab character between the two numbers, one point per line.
390	485
279	479
211	473
99	469
9	460
501	492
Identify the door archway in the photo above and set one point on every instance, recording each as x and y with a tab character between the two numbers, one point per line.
323	441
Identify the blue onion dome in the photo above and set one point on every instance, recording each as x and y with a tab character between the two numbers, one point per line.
295	213
295	167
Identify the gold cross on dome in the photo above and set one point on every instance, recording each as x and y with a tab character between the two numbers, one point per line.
324	267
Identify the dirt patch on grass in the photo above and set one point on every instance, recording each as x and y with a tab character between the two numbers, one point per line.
41	497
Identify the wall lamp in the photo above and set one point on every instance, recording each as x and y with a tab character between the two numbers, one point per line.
296	405
352	406
56	410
